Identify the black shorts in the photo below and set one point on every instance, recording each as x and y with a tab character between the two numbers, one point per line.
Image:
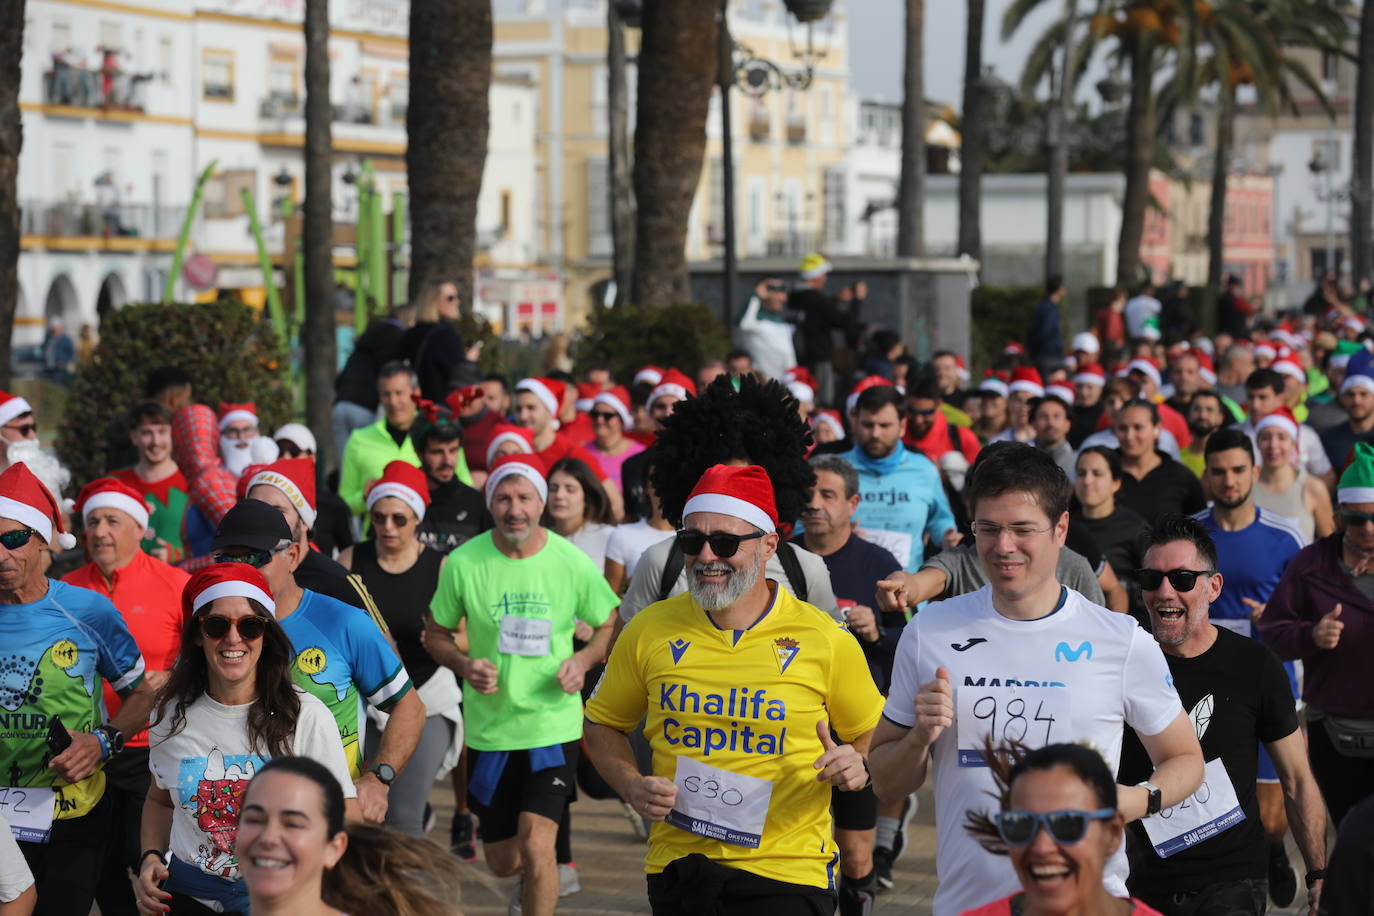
545	793
854	810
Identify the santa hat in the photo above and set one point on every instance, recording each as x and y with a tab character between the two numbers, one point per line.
830	418
1013	348
1027	379
1090	374
618	399
871	381
1359	371
802	391
1149	329
960	368
1205	367
506	433
1290	366
1205	345
745	493
226	580
404	481
1146	367
1061	390
526	466
1357	481
549	391
1086	341
232	413
1354	323
11	406
586	395
298	433
24	499
1283	419
674	383
108	493
294	477
800	374
993	383
650	374
1266	350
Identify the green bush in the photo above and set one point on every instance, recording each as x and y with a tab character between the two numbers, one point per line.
230	352
1000	314
472	328
682	336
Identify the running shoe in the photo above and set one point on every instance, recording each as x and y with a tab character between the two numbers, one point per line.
461	838
882	866
1283	881
567	879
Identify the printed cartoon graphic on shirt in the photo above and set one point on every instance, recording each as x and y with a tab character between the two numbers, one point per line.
25	679
212	788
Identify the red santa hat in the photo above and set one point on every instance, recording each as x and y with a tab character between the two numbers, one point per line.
960	368
405	482
226	580
108	493
800	374
650	374
1288	364
1027	379
504	433
1146	367
993	383
1266	350
674	383
830	418
1205	367
741	492
11	406
586	395
294	477
549	391
1061	390
1086	342
618	399
1090	374
1283	419
232	413
1013	348
802	391
872	381
25	499
526	466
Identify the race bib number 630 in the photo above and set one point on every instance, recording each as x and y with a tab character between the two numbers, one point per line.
1033	716
718	804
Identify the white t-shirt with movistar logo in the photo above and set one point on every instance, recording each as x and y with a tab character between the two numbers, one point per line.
1074	675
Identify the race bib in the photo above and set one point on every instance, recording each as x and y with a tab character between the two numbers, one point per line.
1210	810
898	543
525	636
720	805
1242	625
1034	716
29	812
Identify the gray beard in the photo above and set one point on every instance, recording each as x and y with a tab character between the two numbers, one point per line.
713	597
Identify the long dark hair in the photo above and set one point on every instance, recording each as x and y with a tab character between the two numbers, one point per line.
596	507
274	711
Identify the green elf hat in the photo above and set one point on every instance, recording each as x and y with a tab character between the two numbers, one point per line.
1357	482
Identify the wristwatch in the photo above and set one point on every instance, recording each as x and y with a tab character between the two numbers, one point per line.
1314	876
114	739
384	773
1156	802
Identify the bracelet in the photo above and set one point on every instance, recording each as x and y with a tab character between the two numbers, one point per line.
1315	875
149	852
868	773
104	740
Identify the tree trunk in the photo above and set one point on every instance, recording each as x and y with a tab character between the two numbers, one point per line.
1363	176
621	190
1140	143
446	125
1060	106
677	71
1216	215
911	187
971	148
11	140
317	244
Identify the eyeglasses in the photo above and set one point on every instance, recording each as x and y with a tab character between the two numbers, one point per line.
256	558
217	626
992	531
24	429
1352	519
13	540
289	449
1018	828
1182	580
722	545
397	519
604	416
917	412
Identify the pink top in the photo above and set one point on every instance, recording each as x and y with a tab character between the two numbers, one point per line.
610	464
1004	907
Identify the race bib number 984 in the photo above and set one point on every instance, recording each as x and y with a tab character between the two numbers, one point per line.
718	804
1033	716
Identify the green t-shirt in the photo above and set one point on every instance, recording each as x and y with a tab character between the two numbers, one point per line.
527	608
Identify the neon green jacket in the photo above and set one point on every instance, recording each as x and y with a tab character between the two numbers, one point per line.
369	450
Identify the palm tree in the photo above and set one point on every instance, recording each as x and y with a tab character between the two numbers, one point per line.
11	140
677	70
446	129
911	187
621	195
1362	180
971	133
317	245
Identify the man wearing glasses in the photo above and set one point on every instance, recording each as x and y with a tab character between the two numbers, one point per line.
1209	853
17	422
1024	659
342	657
742	685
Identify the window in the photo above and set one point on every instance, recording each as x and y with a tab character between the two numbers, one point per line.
61	35
217	75
716	230
112	35
166	59
283	79
224	192
505	209
758	203
598	207
833	203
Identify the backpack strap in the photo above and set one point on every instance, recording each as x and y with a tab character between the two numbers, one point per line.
791	565
672	568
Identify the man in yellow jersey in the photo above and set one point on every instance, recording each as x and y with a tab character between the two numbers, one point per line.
742	684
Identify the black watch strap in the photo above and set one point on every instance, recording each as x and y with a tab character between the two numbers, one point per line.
149	852
1315	875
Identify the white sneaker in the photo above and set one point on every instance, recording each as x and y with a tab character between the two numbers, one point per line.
567	879
514	905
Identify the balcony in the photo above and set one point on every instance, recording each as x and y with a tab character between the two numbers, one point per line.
796	128
793	244
107	88
131	226
759	126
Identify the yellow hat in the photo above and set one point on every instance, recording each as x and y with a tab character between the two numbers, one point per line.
813	265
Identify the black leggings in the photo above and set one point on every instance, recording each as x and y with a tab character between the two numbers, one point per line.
695	886
1344	781
66	869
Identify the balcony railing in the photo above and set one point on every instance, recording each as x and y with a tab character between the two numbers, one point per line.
109	88
66	220
793	244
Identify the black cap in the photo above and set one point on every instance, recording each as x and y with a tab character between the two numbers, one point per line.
252	523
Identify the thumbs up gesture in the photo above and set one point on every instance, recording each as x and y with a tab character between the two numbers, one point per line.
934	707
1327	633
839	764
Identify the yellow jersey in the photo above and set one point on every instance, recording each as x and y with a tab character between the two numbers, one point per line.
732	718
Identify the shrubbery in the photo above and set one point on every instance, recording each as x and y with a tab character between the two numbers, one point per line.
682	336
1000	314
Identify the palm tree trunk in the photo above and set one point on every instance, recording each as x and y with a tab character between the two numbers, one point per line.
446	125
1216	215
11	141
1140	140
1057	142
677	71
1363	177
971	148
911	187
317	244
621	190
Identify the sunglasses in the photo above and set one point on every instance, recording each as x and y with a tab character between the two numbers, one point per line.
290	450
1018	828
1182	580
256	558
1352	519
606	416
722	545
397	519
216	626
917	412
25	429
13	540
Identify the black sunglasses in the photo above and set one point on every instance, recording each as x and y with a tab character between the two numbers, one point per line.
1182	580
25	429
604	415
1357	519
256	558
397	519
217	627
722	545
917	412
1018	828
13	540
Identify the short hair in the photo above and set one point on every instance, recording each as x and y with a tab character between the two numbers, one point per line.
1049	399
876	398
1016	467
561	375
163	378
837	465
1086	763
925	388
941	354
1266	378
1172	527
739	354
438	432
152	413
498	378
1227	438
885	339
397	367
1150	406
1053	284
1123	385
1109	455
1209	393
639	393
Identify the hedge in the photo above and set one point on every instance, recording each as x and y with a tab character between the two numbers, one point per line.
1000	314
624	339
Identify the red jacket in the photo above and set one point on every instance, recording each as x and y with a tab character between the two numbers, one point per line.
942	438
